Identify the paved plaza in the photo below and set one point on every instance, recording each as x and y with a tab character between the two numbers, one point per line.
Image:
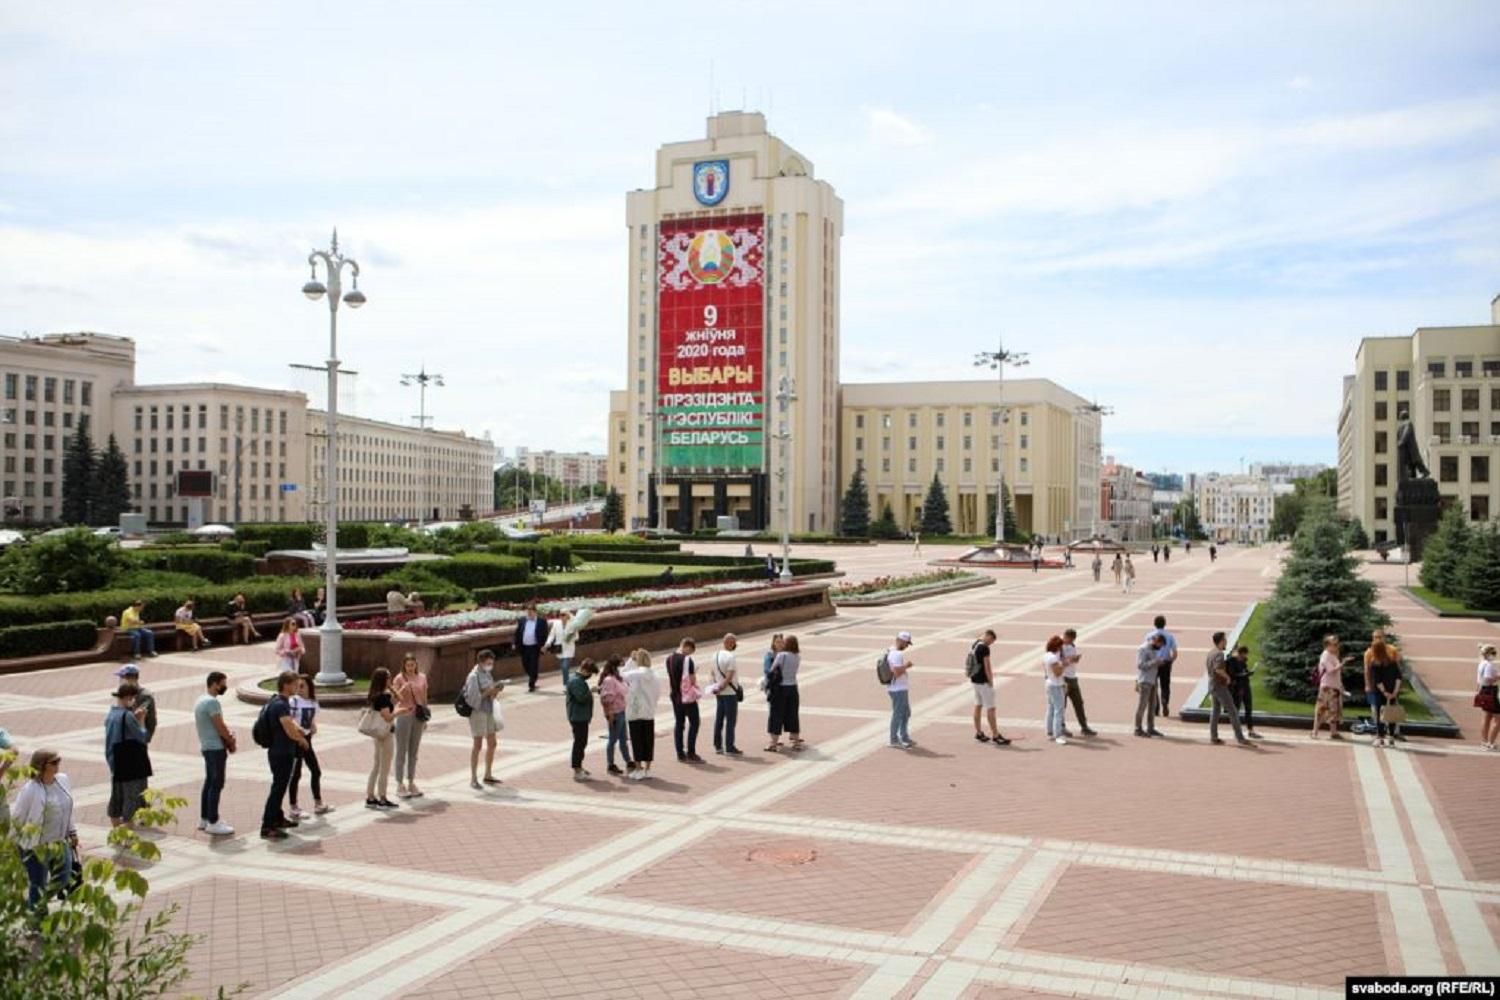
1110	867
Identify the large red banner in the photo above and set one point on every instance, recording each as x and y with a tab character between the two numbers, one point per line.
711	343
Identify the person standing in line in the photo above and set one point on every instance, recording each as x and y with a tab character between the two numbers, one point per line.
127	756
1330	689
1220	682
683	691
771	685
1070	658
1238	664
1187	547
1155	552
1213	552
982	679
1383	689
45	805
289	647
1166	552
304	705
142	639
412	713
1052	671
380	702
216	743
1164	674
1148	662
1487	698
789	700
642	690
916	541
531	635
900	662
771	573
1129	575
563	635
1118	569
285	739
1036	556
480	691
580	706
1098	566
145	701
182	621
612	693
726	680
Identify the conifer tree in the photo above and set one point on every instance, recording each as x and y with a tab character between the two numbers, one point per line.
111	485
935	519
854	520
614	511
885	526
1444	550
1478	577
78	476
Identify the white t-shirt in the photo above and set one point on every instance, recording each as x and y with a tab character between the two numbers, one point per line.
1488	672
1048	663
897	658
1070	669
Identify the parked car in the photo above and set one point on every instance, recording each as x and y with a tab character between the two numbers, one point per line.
109	532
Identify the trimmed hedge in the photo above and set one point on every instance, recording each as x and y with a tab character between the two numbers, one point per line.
256	549
211	563
51	637
520	593
276	536
548	554
676	558
635	542
476	569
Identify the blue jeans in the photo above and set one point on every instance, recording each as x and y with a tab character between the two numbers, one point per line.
1376	701
214	762
617	735
565	664
45	882
726	714
900	716
1057	699
140	637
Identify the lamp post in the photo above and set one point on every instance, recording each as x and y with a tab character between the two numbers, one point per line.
331	647
786	394
1099	412
996	361
422	379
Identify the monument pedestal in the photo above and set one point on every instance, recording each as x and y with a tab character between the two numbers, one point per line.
1417	510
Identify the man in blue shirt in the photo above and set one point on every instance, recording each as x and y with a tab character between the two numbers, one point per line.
1168	657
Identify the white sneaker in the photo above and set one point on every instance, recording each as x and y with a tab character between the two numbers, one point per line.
203	823
219	829
1060	740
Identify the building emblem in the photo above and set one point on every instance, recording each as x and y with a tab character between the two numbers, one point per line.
710	257
710	181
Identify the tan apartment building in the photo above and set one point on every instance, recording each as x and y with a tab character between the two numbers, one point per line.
905	432
51	384
1235	508
1448	379
1126	502
573	469
732	262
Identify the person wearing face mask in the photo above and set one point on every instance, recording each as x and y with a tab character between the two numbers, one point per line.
216	740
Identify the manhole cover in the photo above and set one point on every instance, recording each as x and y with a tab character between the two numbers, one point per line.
782	857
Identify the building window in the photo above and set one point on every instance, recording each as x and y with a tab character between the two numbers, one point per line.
940	464
968	443
1382	508
911	444
941	419
1403	380
1470	431
1448	469
1443	431
1468	399
911	420
1437	369
49	390
859	421
859	444
885	421
1380	381
1442	401
1025	440
994	465
1025	464
1380	410
1479	507
1380	442
885	444
31	388
968	465
1463	369
1479	468
1025	419
885	465
911	465
1380	474
942	442
968	418
12	384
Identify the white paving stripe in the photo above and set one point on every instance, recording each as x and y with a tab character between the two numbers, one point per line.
988	935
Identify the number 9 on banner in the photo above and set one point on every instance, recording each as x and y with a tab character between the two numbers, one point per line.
710	315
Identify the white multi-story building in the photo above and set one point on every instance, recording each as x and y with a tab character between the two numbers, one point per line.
1286	473
575	470
1235	508
1125	501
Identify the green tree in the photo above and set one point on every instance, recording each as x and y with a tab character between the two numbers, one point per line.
885	526
1185	516
111	485
1443	552
935	519
78	476
1354	533
1287	515
854	519
1478	583
1320	593
73	561
1012	529
614	511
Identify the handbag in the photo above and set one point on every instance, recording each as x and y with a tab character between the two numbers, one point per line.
423	713
372	725
1393	714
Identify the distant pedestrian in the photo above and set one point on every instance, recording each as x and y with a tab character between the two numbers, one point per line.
1129	575
44	830
304	705
770	566
1187	547
580	707
1118	569
1155	552
182	621
284	739
1220	691
216	742
1238	665
289	647
1071	657
412	716
787	708
643	689
562	639
125	752
727	697
1169	655
1330	689
1148	662
1036	556
916	541
612	693
981	670
899	689
142	639
1166	553
1383	689
683	692
1487	698
381	703
531	635
1213	552
1052	671
1067	557
749	551
480	691
1098	566
145	701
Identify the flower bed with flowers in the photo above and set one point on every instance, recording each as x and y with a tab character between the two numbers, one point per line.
890	589
497	615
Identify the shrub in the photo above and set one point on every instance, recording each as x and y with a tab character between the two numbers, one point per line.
76	561
1478	583
277	536
477	569
50	637
211	563
520	593
1444	551
159	579
176	538
355	535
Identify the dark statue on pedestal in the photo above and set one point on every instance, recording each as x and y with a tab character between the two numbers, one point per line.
1417	501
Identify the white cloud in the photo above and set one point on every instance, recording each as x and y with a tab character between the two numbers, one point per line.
888	128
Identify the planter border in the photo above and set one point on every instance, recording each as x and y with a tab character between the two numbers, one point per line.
1486	616
884	598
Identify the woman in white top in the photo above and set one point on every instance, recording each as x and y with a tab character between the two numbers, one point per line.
562	632
642	691
1057	689
50	853
1488	697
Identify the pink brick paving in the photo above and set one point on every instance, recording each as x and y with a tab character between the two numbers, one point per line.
836	835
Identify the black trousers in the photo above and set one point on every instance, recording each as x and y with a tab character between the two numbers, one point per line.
687	717
642	739
531	661
315	773
1164	688
281	777
1243	701
580	741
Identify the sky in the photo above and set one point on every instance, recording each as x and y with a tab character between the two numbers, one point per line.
1188	212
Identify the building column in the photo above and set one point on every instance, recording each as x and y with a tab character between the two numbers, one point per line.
685	506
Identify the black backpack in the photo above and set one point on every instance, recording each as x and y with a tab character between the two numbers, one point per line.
261	732
461	704
973	665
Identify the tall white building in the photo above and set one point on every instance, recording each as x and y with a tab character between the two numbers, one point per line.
1235	508
573	469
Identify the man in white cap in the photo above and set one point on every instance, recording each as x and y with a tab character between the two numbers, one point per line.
900	661
144	700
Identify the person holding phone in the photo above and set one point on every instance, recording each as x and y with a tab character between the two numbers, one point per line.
1330	674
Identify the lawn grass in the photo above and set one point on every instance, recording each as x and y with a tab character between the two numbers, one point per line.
604	571
1450	605
1268	703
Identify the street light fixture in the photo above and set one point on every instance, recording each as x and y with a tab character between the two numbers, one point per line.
422	379
996	361
331	634
786	394
1098	411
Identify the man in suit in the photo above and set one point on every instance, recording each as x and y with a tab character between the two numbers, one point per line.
531	635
